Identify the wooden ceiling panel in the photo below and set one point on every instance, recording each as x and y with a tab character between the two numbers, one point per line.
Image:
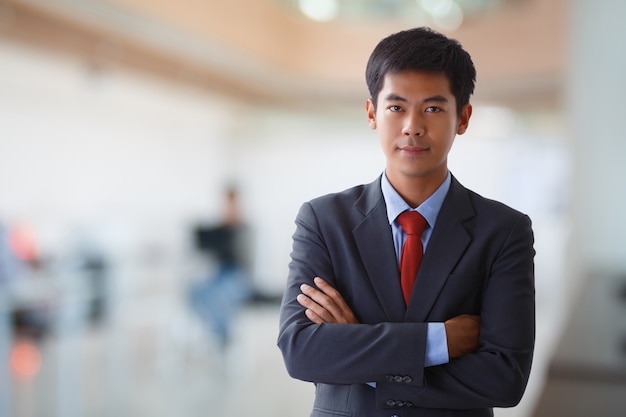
259	50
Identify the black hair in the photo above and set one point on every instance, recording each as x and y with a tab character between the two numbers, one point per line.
422	49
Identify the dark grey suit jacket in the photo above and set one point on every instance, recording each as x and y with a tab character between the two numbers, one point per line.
479	260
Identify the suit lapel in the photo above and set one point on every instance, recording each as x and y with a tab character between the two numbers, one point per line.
447	244
375	245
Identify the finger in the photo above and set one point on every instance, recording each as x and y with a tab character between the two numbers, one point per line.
315	295
331	306
325	286
336	303
313	316
320	298
324	306
321	314
328	298
310	291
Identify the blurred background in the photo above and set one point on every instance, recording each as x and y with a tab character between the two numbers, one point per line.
154	153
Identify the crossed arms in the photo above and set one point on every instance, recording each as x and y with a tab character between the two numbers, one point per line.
325	304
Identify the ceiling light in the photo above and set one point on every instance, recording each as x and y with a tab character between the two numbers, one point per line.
320	10
451	20
436	8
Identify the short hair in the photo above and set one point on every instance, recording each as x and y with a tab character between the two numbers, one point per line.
422	49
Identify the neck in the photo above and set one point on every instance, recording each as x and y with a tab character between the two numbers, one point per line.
416	190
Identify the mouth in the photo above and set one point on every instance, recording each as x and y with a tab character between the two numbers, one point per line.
413	150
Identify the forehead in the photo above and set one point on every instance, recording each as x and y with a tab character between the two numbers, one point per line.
410	84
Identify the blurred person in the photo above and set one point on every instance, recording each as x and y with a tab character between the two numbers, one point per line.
27	290
219	296
460	340
90	268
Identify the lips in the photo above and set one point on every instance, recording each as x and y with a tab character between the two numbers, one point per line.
413	150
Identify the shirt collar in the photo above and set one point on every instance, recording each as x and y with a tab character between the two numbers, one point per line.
429	208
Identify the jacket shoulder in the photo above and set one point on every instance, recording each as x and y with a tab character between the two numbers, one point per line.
363	197
481	205
494	209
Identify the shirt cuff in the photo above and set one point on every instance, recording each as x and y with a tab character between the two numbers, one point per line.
436	345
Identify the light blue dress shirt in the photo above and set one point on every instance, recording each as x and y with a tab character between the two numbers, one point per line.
436	344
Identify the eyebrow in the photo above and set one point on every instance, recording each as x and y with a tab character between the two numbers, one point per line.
435	99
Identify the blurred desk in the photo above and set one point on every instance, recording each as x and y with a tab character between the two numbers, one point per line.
587	375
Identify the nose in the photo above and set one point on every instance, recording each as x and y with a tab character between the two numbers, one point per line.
413	125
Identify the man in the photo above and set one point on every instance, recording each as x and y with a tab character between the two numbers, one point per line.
460	340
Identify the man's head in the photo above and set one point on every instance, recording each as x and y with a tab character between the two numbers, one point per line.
422	50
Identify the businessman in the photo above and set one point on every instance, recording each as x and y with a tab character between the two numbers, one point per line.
411	295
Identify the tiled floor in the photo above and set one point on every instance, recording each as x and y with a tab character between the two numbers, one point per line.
162	366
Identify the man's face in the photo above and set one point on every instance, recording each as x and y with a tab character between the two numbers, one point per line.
417	121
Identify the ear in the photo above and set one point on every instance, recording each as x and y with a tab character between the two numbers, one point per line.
466	113
371	113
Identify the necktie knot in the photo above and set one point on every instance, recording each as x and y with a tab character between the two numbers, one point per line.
412	222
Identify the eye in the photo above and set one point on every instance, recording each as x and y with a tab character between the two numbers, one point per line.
395	108
433	109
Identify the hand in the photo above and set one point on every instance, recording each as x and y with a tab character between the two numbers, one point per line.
324	304
462	335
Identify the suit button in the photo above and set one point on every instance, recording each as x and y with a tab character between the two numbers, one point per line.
398	378
391	403
407	379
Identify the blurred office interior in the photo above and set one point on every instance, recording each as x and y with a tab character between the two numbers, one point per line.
123	121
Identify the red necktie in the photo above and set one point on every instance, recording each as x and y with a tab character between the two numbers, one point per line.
412	251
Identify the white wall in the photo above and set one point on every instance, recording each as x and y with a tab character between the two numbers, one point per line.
114	157
135	161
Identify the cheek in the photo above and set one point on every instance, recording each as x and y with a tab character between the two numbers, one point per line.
386	143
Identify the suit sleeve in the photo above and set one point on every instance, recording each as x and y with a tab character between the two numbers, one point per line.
341	353
496	375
